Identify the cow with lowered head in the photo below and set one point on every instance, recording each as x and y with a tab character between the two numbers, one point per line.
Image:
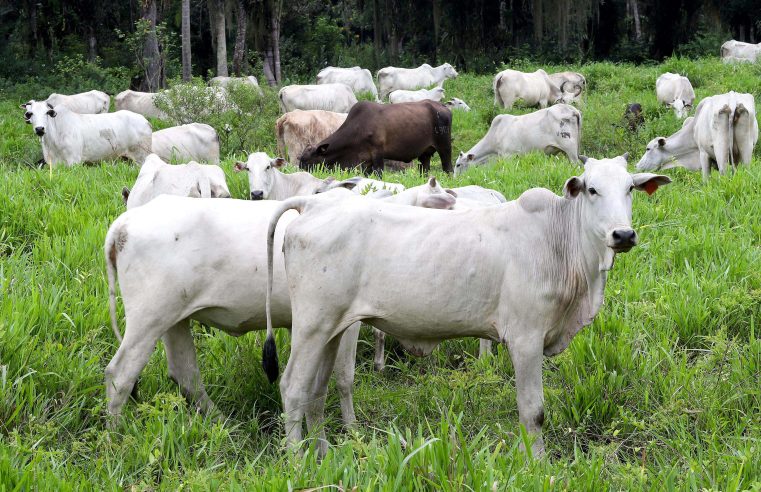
373	132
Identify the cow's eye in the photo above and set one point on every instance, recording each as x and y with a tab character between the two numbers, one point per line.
267	168
631	188
592	191
27	115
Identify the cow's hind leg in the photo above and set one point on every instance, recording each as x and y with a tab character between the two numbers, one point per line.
425	161
346	360
183	366
379	362
305	381
484	347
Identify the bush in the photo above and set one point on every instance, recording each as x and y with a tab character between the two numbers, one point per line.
239	113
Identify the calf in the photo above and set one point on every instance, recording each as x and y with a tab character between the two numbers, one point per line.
72	138
159	178
675	91
456	103
92	102
552	130
373	132
401	96
540	277
191	142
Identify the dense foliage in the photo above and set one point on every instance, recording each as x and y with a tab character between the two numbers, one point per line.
661	392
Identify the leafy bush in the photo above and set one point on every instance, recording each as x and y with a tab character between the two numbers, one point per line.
239	113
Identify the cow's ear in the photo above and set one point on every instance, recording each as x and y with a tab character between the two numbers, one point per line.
51	113
50	106
451	192
625	157
442	201
471	157
648	182
125	194
583	159
278	162
661	142
23	106
573	187
240	166
432	181
322	148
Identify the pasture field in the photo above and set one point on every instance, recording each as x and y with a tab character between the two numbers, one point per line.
661	392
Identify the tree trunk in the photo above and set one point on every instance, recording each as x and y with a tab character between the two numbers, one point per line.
220	35
635	15
377	33
537	15
239	55
436	29
275	35
187	68
151	57
92	44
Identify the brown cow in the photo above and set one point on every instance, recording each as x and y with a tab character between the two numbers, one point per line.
373	132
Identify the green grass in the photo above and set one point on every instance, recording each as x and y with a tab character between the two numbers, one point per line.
662	391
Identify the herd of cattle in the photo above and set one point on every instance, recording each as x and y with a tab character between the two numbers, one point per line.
319	256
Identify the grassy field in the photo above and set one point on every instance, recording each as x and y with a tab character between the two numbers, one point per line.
661	392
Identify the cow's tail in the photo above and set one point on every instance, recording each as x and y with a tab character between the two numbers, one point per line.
281	101
731	118
111	252
279	131
577	115
496	85
269	351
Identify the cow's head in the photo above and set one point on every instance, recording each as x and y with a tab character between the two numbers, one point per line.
463	162
456	103
605	194
681	108
316	154
449	71
261	169
37	114
568	92
433	195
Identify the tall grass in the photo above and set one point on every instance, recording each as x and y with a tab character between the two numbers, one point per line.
661	392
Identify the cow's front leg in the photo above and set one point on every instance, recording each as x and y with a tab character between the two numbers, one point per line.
527	356
705	164
484	348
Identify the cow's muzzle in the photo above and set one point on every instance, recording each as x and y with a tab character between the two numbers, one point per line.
257	195
622	240
40	131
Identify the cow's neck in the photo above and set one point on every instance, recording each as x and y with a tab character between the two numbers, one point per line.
288	185
55	133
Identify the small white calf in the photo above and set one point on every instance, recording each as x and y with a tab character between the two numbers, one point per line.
191	142
328	97
456	103
403	96
71	138
393	78
92	102
675	91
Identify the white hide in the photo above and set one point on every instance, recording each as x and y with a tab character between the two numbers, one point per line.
71	138
533	89
403	96
140	103
328	97
737	52
226	81
456	103
675	91
191	142
92	102
359	79
394	78
552	130
298	129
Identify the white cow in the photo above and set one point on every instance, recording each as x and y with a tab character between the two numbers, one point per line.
738	51
393	78
533	89
359	79
267	182
679	149
71	138
456	103
540	277
179	259
552	130
403	96
92	102
726	130
156	178
191	142
226	81
570	79
298	129
328	97
140	103
675	91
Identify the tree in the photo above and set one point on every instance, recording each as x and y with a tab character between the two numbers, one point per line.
217	13
187	68
153	63
239	55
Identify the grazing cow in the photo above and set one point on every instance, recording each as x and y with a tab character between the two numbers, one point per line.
296	130
737	51
328	97
678	150
158	178
266	182
226	81
393	78
675	91
179	259
92	102
72	138
534	88
572	78
552	130
359	79
456	103
191	142
140	103
402	96
540	277
373	132
633	116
